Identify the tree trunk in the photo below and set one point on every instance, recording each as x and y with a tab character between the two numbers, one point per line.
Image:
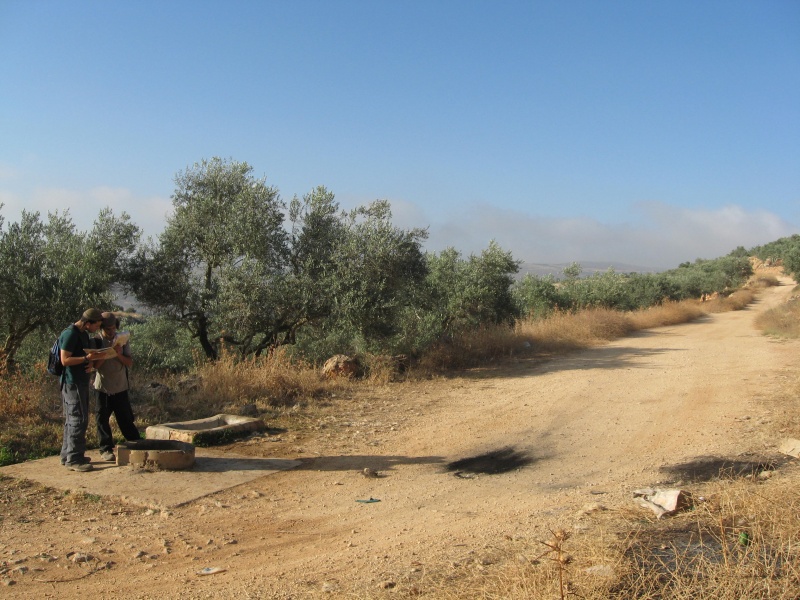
202	335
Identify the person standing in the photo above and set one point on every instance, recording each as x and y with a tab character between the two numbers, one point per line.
73	342
111	384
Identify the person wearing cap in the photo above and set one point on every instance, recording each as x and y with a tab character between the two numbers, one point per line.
111	385
74	341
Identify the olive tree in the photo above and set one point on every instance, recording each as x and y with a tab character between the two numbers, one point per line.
467	293
266	304
227	268
378	271
225	221
50	272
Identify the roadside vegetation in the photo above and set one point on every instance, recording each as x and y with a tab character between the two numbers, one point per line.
242	298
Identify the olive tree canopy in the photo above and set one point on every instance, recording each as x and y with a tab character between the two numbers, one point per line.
50	272
224	219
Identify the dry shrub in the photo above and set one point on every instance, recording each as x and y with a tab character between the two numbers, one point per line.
763	281
273	380
30	417
24	400
782	321
565	331
562	331
669	313
735	301
472	348
382	369
740	543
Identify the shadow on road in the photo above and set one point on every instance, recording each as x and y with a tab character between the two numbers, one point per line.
358	462
707	468
493	463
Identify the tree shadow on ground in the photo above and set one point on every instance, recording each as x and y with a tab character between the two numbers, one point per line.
492	463
603	357
358	462
707	468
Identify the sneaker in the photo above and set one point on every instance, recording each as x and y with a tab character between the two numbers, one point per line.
84	460
109	456
82	467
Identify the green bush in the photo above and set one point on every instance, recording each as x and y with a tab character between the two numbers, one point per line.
536	297
160	344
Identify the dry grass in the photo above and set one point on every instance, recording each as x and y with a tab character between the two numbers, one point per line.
781	321
568	331
740	540
30	418
270	382
669	313
735	301
559	333
763	280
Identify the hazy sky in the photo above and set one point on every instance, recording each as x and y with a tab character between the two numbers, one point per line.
649	133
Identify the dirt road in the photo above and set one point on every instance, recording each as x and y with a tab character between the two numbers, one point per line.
590	426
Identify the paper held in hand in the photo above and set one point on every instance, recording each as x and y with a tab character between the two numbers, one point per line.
101	353
120	339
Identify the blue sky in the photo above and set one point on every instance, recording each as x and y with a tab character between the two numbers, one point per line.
648	133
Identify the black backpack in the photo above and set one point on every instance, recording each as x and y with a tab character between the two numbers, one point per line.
54	366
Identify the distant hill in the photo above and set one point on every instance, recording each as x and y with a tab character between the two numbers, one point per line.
589	268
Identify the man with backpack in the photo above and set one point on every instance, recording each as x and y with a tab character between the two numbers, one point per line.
73	342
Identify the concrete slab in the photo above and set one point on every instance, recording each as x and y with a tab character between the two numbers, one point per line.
212	472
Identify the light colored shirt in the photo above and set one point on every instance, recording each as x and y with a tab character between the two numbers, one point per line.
112	375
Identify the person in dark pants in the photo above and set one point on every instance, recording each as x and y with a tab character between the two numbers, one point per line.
111	384
73	342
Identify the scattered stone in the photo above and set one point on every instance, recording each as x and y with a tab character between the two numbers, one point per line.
47	558
341	365
791	447
663	502
79	557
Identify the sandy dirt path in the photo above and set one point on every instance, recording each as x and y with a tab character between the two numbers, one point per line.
593	425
